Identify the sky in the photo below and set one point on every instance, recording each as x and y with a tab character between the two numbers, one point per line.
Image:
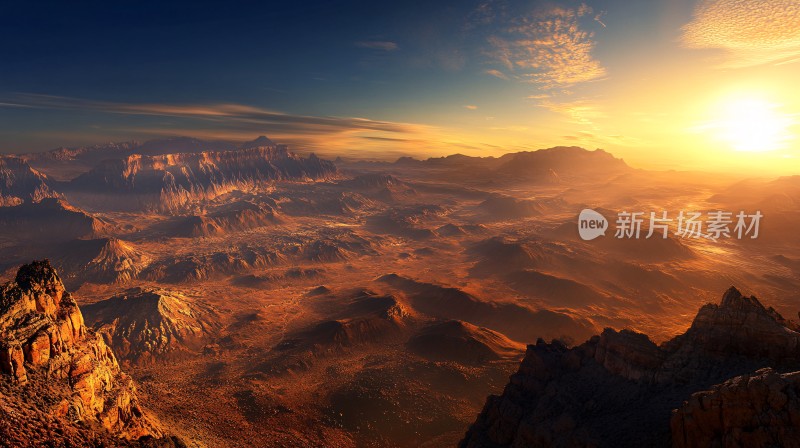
665	84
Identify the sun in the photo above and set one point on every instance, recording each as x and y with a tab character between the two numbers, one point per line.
752	124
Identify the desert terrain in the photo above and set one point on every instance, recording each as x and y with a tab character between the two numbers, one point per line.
256	297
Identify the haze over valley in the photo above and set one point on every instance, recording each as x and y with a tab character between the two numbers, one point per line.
260	297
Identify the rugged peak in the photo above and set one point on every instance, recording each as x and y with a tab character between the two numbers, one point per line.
731	294
725	340
739	325
40	275
114	248
36	287
44	343
735	300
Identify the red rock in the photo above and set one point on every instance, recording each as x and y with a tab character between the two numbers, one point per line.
43	342
757	410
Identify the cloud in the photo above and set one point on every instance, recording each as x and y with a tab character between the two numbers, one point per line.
599	18
750	32
328	136
539	96
547	47
382	45
240	122
581	111
496	73
470	107
222	113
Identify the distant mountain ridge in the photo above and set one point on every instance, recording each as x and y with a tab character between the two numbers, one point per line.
181	170
551	166
172	182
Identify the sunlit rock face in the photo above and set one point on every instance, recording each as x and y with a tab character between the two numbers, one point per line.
45	346
170	182
20	183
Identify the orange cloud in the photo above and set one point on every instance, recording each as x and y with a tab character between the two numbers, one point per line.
750	32
496	74
548	48
239	122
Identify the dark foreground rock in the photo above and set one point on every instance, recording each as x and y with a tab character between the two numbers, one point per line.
619	389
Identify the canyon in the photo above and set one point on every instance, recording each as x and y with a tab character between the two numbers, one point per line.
211	293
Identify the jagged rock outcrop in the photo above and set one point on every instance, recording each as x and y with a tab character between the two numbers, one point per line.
619	389
45	346
150	324
757	410
20	183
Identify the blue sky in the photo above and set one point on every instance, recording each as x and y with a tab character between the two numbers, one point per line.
378	78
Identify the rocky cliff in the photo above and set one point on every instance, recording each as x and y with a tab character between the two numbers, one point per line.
760	409
619	389
20	183
169	182
56	369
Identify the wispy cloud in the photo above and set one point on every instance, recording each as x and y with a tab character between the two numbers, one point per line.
470	107
382	45
548	47
599	18
496	73
539	96
332	136
583	112
750	32
237	122
222	113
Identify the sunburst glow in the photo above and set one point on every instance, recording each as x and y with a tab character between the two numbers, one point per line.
752	124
